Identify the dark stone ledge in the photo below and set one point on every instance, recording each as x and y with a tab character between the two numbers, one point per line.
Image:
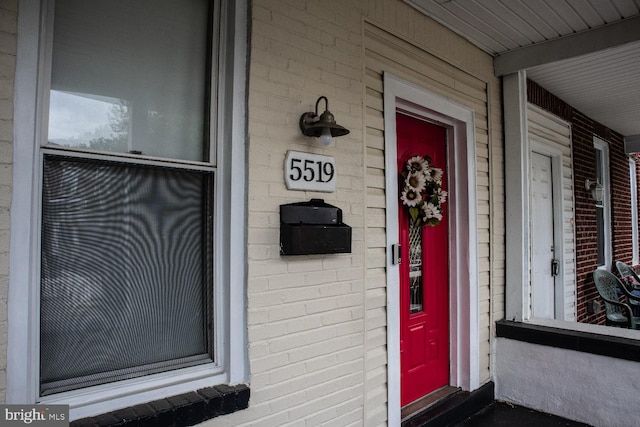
176	411
586	342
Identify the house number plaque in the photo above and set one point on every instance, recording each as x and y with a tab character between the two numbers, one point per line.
309	172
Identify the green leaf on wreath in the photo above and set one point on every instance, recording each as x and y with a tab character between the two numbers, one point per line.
413	212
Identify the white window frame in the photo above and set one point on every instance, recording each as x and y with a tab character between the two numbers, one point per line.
603	147
31	83
633	187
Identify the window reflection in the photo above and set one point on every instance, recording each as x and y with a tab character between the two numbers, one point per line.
89	122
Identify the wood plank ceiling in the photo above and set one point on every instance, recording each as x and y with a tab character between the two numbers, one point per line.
599	73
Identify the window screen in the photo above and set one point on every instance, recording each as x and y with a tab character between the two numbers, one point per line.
124	271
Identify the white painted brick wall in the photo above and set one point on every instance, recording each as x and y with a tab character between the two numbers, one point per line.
306	313
8	25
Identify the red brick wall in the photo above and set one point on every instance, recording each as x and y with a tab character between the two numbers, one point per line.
583	129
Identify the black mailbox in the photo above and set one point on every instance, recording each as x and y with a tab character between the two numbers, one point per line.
313	227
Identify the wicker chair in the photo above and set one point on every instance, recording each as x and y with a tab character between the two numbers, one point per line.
618	313
630	286
627	272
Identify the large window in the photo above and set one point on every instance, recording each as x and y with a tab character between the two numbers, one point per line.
121	282
603	212
126	245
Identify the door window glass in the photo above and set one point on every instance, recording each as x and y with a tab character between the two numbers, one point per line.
415	267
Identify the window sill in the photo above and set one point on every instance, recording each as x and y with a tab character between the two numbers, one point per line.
181	410
616	346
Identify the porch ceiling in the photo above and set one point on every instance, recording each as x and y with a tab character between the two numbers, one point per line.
587	52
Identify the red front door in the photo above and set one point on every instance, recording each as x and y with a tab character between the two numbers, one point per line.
424	274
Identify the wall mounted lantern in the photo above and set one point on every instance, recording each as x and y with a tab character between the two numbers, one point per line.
323	127
597	190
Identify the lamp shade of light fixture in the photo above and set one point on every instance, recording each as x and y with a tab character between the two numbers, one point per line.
597	190
324	126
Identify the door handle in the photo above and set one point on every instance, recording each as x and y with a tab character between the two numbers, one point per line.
396	256
555	267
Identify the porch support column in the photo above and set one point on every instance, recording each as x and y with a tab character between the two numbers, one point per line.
517	195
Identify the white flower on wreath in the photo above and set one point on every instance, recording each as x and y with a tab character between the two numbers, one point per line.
417	164
442	195
436	175
422	191
410	197
431	211
416	181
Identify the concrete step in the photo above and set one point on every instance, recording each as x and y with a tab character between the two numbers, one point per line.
452	409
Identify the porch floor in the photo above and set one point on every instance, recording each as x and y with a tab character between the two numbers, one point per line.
500	414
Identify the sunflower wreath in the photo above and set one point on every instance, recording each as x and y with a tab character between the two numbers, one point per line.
422	191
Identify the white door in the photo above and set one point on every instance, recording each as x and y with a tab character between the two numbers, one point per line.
542	239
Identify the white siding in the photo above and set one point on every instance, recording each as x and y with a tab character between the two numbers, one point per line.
386	52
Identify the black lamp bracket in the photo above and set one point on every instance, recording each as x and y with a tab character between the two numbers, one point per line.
311	117
312	124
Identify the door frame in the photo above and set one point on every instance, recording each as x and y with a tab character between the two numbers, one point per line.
558	229
464	345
